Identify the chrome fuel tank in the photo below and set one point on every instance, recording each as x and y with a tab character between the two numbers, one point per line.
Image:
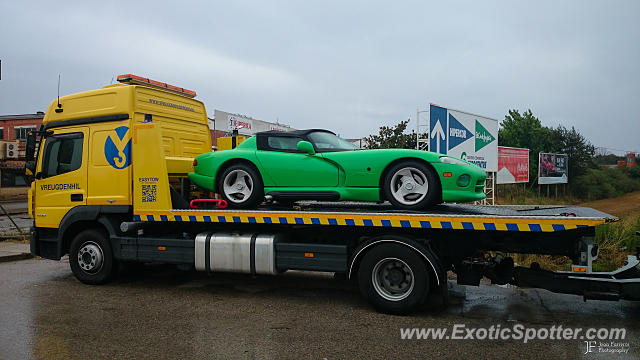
251	253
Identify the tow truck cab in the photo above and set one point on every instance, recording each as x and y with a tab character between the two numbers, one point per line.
83	169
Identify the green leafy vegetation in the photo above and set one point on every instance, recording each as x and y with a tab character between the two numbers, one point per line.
392	137
591	176
603	183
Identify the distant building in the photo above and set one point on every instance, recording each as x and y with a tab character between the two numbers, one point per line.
361	143
14	130
16	127
224	123
628	161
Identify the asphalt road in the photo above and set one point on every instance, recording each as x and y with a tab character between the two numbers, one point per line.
166	313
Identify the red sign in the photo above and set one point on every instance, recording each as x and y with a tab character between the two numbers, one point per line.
513	165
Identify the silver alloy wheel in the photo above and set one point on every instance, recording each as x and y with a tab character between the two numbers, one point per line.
238	186
409	185
392	279
90	257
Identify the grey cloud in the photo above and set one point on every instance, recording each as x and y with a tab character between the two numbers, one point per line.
347	66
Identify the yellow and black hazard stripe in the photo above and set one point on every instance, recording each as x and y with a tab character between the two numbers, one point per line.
375	220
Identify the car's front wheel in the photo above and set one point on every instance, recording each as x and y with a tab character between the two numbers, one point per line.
241	185
411	185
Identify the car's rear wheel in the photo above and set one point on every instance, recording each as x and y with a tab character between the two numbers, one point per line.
241	185
411	185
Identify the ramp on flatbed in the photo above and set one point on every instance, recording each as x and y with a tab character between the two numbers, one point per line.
537	218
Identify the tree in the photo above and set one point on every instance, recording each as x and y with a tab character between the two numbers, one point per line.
579	151
526	131
392	137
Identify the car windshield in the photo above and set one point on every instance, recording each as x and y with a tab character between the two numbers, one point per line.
325	141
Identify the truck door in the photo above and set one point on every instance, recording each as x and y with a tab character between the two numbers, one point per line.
61	175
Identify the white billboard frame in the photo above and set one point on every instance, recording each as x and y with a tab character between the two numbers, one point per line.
548	180
489	125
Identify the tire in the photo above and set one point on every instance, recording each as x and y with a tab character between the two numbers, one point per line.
405	288
411	185
91	258
247	193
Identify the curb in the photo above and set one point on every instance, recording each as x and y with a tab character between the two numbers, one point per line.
15	257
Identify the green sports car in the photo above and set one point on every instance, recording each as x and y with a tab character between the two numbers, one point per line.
318	165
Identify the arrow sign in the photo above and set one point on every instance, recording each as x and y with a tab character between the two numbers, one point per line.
483	136
437	126
437	133
458	133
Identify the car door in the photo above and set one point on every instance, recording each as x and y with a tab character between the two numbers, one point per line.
61	175
288	167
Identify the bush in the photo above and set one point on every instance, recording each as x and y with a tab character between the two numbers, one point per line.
634	172
605	183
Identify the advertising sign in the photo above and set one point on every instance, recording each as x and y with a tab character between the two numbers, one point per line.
552	168
513	165
467	136
247	126
237	122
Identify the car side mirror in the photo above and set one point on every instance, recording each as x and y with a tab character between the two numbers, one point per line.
306	147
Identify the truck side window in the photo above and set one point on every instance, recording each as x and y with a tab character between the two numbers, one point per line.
63	154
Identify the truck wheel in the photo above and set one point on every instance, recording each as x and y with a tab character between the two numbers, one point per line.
394	279
241	185
91	258
411	185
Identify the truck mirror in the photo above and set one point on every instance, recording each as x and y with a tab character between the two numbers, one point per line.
30	168
30	147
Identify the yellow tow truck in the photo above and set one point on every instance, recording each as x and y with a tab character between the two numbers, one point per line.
111	187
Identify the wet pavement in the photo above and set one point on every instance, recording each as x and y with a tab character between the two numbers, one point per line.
163	313
18	212
11	251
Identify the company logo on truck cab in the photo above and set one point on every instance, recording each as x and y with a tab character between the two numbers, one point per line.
117	148
177	106
74	186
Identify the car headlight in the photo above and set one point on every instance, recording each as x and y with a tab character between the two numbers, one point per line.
452	161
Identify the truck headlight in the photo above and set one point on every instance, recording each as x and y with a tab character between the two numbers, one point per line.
452	161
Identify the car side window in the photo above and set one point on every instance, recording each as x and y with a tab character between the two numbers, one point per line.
283	143
62	154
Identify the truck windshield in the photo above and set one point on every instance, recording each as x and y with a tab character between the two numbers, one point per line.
326	142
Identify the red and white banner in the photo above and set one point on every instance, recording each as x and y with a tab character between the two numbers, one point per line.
513	165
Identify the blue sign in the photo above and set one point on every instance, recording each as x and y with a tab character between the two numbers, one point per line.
437	127
457	132
116	150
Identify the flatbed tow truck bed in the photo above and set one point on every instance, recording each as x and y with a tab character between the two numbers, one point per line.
444	216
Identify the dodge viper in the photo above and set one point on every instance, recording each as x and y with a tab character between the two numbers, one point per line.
318	165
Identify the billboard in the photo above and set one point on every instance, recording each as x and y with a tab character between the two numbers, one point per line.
552	168
513	165
473	138
246	125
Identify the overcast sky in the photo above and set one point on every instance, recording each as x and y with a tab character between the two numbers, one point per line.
348	66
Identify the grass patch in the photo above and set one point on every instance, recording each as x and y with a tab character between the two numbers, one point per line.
615	240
